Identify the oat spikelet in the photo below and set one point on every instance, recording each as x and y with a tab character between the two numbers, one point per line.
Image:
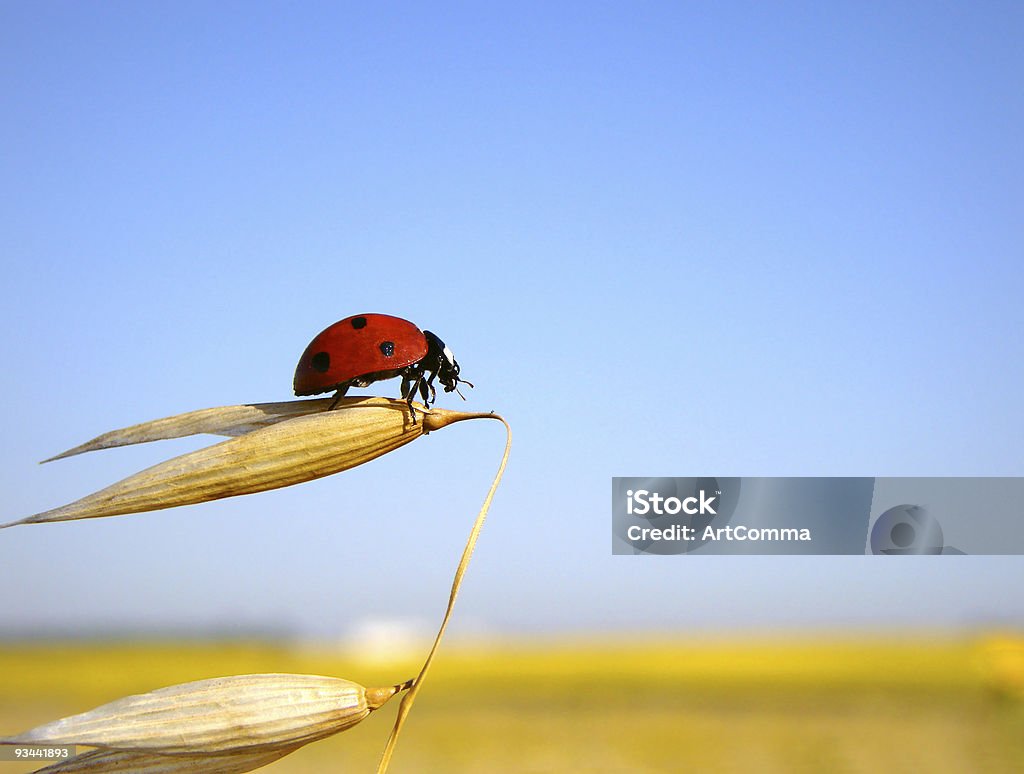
243	713
289	451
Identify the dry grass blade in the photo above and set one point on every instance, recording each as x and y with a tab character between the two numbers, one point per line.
224	420
290	451
240	713
96	761
460	571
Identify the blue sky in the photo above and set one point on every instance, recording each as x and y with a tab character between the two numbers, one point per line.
662	239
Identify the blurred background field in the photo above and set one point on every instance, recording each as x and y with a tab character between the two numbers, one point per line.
744	704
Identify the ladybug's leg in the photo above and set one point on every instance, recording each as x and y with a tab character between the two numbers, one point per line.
429	384
338	396
408	400
411	379
408	385
427	388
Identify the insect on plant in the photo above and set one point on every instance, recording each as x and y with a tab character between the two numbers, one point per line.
243	722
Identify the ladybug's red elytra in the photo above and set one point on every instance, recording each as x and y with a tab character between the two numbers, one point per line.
366	348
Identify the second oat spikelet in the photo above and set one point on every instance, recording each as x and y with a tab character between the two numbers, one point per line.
254	717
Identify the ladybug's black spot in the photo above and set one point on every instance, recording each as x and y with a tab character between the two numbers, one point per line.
321	362
387	348
358	322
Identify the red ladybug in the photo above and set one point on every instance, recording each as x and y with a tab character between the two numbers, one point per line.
366	348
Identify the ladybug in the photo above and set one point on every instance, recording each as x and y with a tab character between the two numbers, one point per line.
366	348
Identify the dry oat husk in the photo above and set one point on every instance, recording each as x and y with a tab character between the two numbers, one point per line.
292	443
242	713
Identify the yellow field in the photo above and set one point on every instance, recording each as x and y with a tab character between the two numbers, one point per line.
809	705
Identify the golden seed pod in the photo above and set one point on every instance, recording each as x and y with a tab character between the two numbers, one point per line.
288	447
243	713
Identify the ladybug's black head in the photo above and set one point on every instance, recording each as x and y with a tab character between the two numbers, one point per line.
441	361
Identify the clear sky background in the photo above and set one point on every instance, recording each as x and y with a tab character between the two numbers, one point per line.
662	239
